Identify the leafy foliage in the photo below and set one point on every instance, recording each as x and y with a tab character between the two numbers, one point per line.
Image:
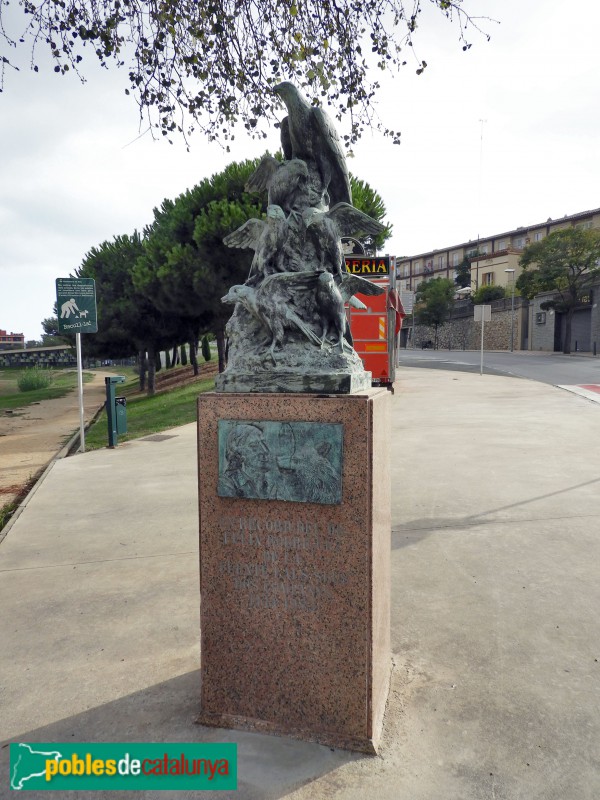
165	288
367	200
147	415
463	274
50	327
566	262
433	302
62	382
487	294
52	336
127	321
185	268
212	64
34	378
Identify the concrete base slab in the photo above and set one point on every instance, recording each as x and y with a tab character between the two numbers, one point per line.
279	381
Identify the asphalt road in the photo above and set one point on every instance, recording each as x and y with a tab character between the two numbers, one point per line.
553	368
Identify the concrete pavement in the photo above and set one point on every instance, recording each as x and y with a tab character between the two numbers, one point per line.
495	596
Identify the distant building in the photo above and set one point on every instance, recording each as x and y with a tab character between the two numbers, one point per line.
532	327
53	356
8	341
489	256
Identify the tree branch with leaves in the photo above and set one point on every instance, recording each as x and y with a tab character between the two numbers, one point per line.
567	262
434	301
211	65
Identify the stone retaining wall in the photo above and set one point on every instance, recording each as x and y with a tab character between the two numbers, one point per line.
465	334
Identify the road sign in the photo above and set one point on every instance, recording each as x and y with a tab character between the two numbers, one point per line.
76	305
482	313
407	299
76	301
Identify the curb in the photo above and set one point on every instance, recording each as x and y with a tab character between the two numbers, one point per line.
69	448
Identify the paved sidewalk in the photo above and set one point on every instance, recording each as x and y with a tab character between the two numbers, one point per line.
495	597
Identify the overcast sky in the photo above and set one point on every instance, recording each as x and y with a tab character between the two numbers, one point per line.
73	173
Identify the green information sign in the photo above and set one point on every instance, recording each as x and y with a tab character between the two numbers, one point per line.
76	301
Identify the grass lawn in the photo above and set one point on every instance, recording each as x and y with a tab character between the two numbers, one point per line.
63	382
147	415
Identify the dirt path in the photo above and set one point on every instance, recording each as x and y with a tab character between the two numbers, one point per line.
30	437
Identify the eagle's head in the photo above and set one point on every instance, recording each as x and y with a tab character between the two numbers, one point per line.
285	90
290	95
325	279
237	294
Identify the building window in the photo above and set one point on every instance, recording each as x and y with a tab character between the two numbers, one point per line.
417	267
520	242
487	279
483	250
440	262
537	237
501	244
455	259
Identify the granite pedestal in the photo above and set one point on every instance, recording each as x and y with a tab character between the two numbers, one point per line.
295	596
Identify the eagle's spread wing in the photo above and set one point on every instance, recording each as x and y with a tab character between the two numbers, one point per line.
288	285
247	235
351	222
260	178
331	159
354	284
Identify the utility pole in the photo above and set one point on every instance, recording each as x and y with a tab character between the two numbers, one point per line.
482	123
512	311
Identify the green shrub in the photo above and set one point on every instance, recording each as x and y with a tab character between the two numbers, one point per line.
487	294
34	378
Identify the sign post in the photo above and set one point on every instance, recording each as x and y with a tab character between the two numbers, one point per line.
76	305
482	314
407	298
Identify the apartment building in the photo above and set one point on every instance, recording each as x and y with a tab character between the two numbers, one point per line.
489	256
10	340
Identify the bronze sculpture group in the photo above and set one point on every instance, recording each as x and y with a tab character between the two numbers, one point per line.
289	329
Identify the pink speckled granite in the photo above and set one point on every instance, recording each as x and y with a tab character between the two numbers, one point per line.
295	597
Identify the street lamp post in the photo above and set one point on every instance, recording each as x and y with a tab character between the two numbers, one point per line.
512	311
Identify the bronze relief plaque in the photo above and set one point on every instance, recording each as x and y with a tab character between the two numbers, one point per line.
268	460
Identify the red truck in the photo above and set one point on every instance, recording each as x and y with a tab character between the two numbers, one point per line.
375	330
